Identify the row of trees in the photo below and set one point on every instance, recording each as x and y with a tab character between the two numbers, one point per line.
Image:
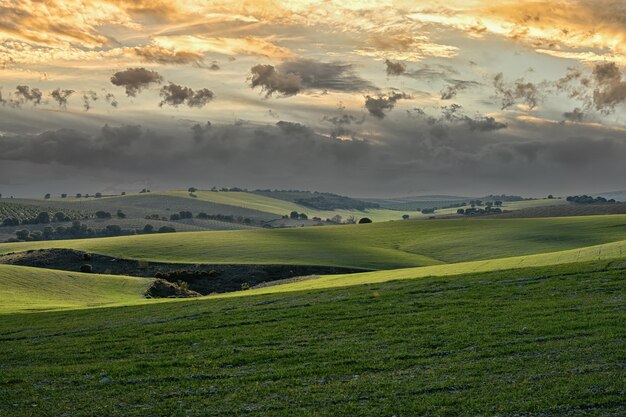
185	214
80	230
42	218
474	211
585	199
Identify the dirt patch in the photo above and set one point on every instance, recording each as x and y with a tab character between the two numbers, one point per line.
199	278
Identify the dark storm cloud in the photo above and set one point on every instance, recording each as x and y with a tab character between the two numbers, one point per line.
61	96
25	94
175	95
456	86
379	105
521	91
135	79
465	151
295	76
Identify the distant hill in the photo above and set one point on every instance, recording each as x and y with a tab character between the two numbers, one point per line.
319	201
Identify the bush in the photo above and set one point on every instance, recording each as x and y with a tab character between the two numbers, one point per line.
365	220
86	268
166	229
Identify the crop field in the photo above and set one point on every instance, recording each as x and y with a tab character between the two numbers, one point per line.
375	246
532	342
19	211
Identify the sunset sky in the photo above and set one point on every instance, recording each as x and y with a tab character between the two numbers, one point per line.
362	98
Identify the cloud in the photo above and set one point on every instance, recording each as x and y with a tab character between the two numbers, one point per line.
229	46
379	105
61	96
395	68
164	56
610	88
334	76
341	125
175	95
135	79
110	98
449	92
575	115
25	94
296	76
462	155
272	82
88	98
522	91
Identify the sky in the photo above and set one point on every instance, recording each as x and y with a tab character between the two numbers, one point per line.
364	98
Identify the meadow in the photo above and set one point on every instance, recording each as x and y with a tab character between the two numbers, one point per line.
532	342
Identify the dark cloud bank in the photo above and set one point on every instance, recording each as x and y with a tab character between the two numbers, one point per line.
452	152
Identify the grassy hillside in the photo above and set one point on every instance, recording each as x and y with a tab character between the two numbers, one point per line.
31	289
377	246
608	251
532	342
34	289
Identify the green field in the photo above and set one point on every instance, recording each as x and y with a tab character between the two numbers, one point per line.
34	289
531	342
460	317
376	246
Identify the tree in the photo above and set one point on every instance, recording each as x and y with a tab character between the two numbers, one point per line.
498	203
78	195
192	189
303	216
120	214
123	192
22	234
460	211
148	228
364	220
405	217
294	215
63	195
103	214
48	232
113	229
336	218
98	195
166	229
351	220
174	217
47	196
43	217
11	221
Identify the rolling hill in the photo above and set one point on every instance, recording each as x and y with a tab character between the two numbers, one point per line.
375	246
34	289
471	345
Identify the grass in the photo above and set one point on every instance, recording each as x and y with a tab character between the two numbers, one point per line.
386	245
532	342
33	289
608	251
